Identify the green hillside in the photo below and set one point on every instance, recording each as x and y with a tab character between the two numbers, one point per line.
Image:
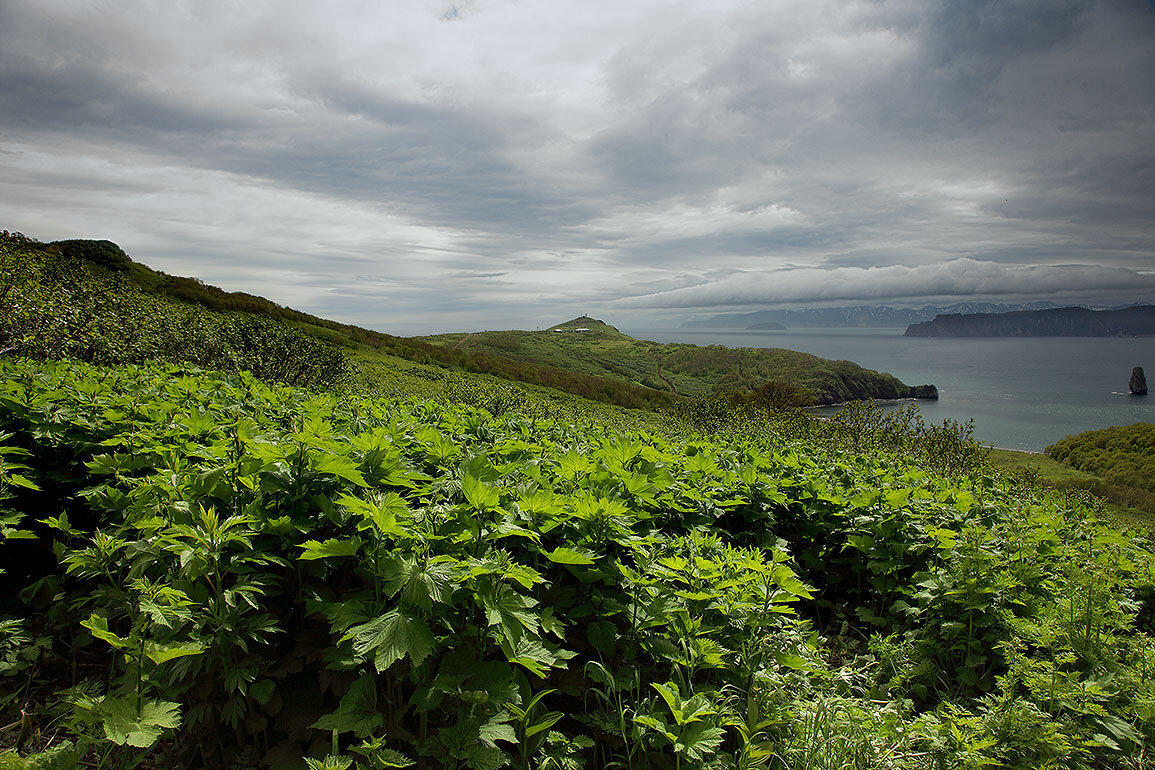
1123	454
403	563
592	347
88	299
84	278
1116	463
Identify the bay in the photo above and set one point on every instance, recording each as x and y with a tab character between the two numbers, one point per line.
1022	392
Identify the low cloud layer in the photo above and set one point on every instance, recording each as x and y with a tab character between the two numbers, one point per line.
952	280
415	167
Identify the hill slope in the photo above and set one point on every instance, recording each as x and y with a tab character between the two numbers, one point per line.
87	299
584	357
592	347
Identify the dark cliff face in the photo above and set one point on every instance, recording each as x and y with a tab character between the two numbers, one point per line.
1060	322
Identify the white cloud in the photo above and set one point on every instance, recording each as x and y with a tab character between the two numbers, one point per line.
368	160
954	279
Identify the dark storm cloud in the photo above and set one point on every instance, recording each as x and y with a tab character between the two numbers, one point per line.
486	156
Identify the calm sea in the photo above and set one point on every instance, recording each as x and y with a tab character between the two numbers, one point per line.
1023	393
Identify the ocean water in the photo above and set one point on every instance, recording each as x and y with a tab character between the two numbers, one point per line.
1022	392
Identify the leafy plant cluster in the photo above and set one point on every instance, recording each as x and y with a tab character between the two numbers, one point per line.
212	571
74	300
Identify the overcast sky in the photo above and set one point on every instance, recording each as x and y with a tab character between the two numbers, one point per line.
428	166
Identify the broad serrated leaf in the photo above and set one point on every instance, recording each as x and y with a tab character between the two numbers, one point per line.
312	549
486	758
479	495
507	608
496	729
533	655
161	653
341	467
22	481
421	582
391	637
701	740
789	582
357	713
98	625
563	555
123	725
262	691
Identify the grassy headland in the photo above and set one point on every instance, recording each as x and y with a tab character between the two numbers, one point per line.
595	348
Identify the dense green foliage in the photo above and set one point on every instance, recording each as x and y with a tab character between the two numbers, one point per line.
1122	457
78	298
687	370
1123	454
212	570
1126	507
92	266
442	561
73	301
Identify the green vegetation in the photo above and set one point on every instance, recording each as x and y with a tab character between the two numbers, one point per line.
594	348
74	302
1116	463
214	570
76	294
1122	506
1122	455
424	566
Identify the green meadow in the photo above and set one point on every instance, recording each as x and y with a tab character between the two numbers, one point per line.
236	536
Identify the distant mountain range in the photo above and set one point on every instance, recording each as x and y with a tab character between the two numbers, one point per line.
861	316
1056	322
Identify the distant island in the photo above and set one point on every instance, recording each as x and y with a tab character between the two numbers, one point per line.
857	317
1135	321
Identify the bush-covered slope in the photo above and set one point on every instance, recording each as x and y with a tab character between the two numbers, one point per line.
215	572
1122	458
75	301
1124	454
89	300
80	297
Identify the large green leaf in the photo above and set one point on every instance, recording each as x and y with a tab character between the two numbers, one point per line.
123	725
161	653
479	495
420	581
313	550
357	713
98	625
391	637
341	467
506	608
563	555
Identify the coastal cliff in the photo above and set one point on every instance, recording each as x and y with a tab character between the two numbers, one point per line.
1059	322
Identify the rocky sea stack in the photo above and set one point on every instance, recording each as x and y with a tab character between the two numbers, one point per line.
1138	382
